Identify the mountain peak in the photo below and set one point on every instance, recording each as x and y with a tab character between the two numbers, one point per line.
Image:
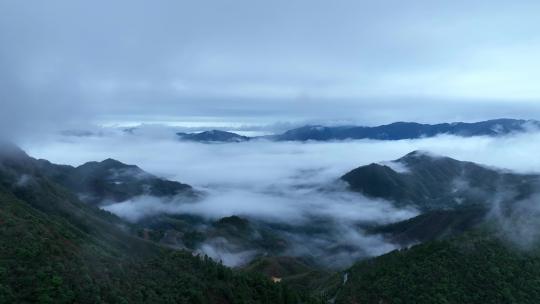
112	162
421	158
8	149
416	154
108	163
213	136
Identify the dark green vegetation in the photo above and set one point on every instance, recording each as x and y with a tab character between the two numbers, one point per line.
296	272
470	251
435	183
56	249
463	256
476	267
230	234
433	225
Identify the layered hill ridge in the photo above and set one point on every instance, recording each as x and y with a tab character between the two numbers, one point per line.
453	196
111	181
213	136
56	249
431	182
393	131
481	249
409	130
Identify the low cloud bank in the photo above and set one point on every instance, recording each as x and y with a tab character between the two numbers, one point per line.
322	224
219	249
285	183
519	221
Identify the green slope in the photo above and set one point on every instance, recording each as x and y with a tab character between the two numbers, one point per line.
111	180
432	225
476	267
434	182
56	249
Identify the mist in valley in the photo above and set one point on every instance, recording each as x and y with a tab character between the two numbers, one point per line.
290	188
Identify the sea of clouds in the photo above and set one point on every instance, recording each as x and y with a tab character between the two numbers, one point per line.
279	182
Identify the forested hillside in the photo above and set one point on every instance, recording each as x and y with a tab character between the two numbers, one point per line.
476	267
56	249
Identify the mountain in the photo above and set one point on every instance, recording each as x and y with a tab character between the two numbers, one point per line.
111	181
476	267
233	239
393	131
431	182
408	130
482	248
56	249
433	225
213	136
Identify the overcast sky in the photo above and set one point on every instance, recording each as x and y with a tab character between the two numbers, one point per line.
256	62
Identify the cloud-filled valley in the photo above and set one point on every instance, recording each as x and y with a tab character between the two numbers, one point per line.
286	187
284	152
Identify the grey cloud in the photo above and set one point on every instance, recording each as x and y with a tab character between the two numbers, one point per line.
73	61
282	183
220	249
518	222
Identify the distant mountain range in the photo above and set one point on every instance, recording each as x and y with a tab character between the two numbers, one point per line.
394	131
213	136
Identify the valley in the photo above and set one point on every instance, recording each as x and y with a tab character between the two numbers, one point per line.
435	203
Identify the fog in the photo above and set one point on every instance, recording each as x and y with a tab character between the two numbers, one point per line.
253	163
287	183
365	61
518	224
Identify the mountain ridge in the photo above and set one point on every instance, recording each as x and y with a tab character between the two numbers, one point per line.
55	248
212	136
430	182
393	131
111	181
408	130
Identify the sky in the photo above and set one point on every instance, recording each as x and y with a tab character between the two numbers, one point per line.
69	63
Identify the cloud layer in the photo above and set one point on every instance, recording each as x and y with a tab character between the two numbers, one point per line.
281	183
72	61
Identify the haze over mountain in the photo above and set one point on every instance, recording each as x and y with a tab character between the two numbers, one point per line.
431	182
213	136
57	249
110	181
410	130
262	152
394	131
462	203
